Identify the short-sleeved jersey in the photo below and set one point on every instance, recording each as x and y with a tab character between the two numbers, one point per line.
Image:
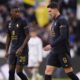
60	35
16	30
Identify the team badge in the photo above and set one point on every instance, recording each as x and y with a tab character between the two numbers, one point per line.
64	60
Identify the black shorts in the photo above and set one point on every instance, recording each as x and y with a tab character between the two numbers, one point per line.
21	60
59	60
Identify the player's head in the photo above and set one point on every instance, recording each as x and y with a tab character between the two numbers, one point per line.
33	32
53	9
15	11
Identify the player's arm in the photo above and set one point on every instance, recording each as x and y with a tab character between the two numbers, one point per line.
8	40
19	51
26	39
7	44
26	30
63	33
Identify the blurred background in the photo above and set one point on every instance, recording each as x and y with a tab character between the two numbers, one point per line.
36	13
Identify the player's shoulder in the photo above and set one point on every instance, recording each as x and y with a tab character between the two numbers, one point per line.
8	23
62	19
23	22
23	19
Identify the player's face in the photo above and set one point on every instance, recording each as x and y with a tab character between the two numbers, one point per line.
52	11
14	13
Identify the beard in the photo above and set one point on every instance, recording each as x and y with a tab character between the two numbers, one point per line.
51	17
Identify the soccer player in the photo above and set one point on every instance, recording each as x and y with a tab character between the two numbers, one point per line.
16	45
35	53
60	54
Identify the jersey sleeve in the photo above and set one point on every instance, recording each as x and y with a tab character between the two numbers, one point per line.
7	28
63	32
25	26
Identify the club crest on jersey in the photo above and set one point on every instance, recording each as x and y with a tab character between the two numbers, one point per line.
65	60
17	25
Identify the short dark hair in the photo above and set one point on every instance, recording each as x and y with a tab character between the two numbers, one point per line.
53	5
16	8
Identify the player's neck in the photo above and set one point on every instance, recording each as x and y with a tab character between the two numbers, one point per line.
57	15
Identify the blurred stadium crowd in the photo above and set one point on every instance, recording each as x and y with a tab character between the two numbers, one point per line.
36	14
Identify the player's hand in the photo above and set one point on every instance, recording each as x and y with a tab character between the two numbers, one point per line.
19	51
47	48
6	55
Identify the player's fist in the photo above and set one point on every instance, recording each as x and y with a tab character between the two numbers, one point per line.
19	51
47	48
